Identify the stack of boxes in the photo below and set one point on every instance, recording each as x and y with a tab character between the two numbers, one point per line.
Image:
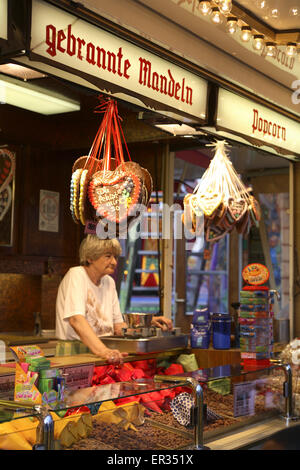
256	325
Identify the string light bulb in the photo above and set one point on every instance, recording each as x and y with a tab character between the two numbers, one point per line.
258	42
225	6
294	11
271	49
216	16
205	8
245	33
274	13
291	49
231	26
261	4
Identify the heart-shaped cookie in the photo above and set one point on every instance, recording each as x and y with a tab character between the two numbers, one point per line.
75	194
214	234
7	168
5	201
209	202
237	208
114	194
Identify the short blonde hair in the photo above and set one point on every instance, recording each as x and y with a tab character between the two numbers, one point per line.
92	247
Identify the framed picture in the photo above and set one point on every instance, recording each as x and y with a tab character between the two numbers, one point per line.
7	191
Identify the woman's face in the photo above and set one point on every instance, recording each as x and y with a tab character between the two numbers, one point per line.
105	264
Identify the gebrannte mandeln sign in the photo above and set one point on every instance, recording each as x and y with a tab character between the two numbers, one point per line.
245	117
75	43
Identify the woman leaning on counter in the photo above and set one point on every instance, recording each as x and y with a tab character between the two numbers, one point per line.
87	305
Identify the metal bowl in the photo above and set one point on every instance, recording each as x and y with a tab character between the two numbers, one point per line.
138	320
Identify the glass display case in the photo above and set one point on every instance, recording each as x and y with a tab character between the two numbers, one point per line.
159	413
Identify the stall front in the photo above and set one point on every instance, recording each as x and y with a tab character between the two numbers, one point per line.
101	400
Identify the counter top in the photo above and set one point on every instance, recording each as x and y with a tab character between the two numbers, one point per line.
251	435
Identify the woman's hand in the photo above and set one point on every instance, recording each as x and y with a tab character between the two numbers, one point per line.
118	328
112	356
162	322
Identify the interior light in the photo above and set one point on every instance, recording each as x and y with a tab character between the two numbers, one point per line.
34	98
246	33
231	26
205	8
19	71
258	42
291	49
216	16
271	49
179	129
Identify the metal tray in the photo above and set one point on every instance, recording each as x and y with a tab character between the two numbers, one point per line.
146	345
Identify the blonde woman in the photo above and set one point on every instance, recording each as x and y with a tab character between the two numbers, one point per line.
87	304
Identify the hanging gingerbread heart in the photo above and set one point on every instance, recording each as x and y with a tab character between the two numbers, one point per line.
237	208
218	215
213	234
115	194
75	194
7	168
209	201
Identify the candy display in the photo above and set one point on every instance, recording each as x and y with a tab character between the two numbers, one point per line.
256	316
221	202
35	381
104	187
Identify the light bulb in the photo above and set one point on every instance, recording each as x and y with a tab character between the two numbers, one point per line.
274	13
294	11
261	4
231	26
216	16
258	42
225	6
291	49
246	33
271	49
205	8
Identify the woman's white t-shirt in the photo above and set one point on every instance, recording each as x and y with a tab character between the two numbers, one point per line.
78	295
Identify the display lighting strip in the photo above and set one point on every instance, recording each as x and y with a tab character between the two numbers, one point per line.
223	10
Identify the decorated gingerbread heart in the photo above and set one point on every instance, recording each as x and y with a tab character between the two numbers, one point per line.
209	202
237	208
114	194
7	168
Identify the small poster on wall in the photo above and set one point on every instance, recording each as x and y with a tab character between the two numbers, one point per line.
49	211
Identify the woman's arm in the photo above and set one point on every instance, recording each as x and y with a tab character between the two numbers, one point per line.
90	339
